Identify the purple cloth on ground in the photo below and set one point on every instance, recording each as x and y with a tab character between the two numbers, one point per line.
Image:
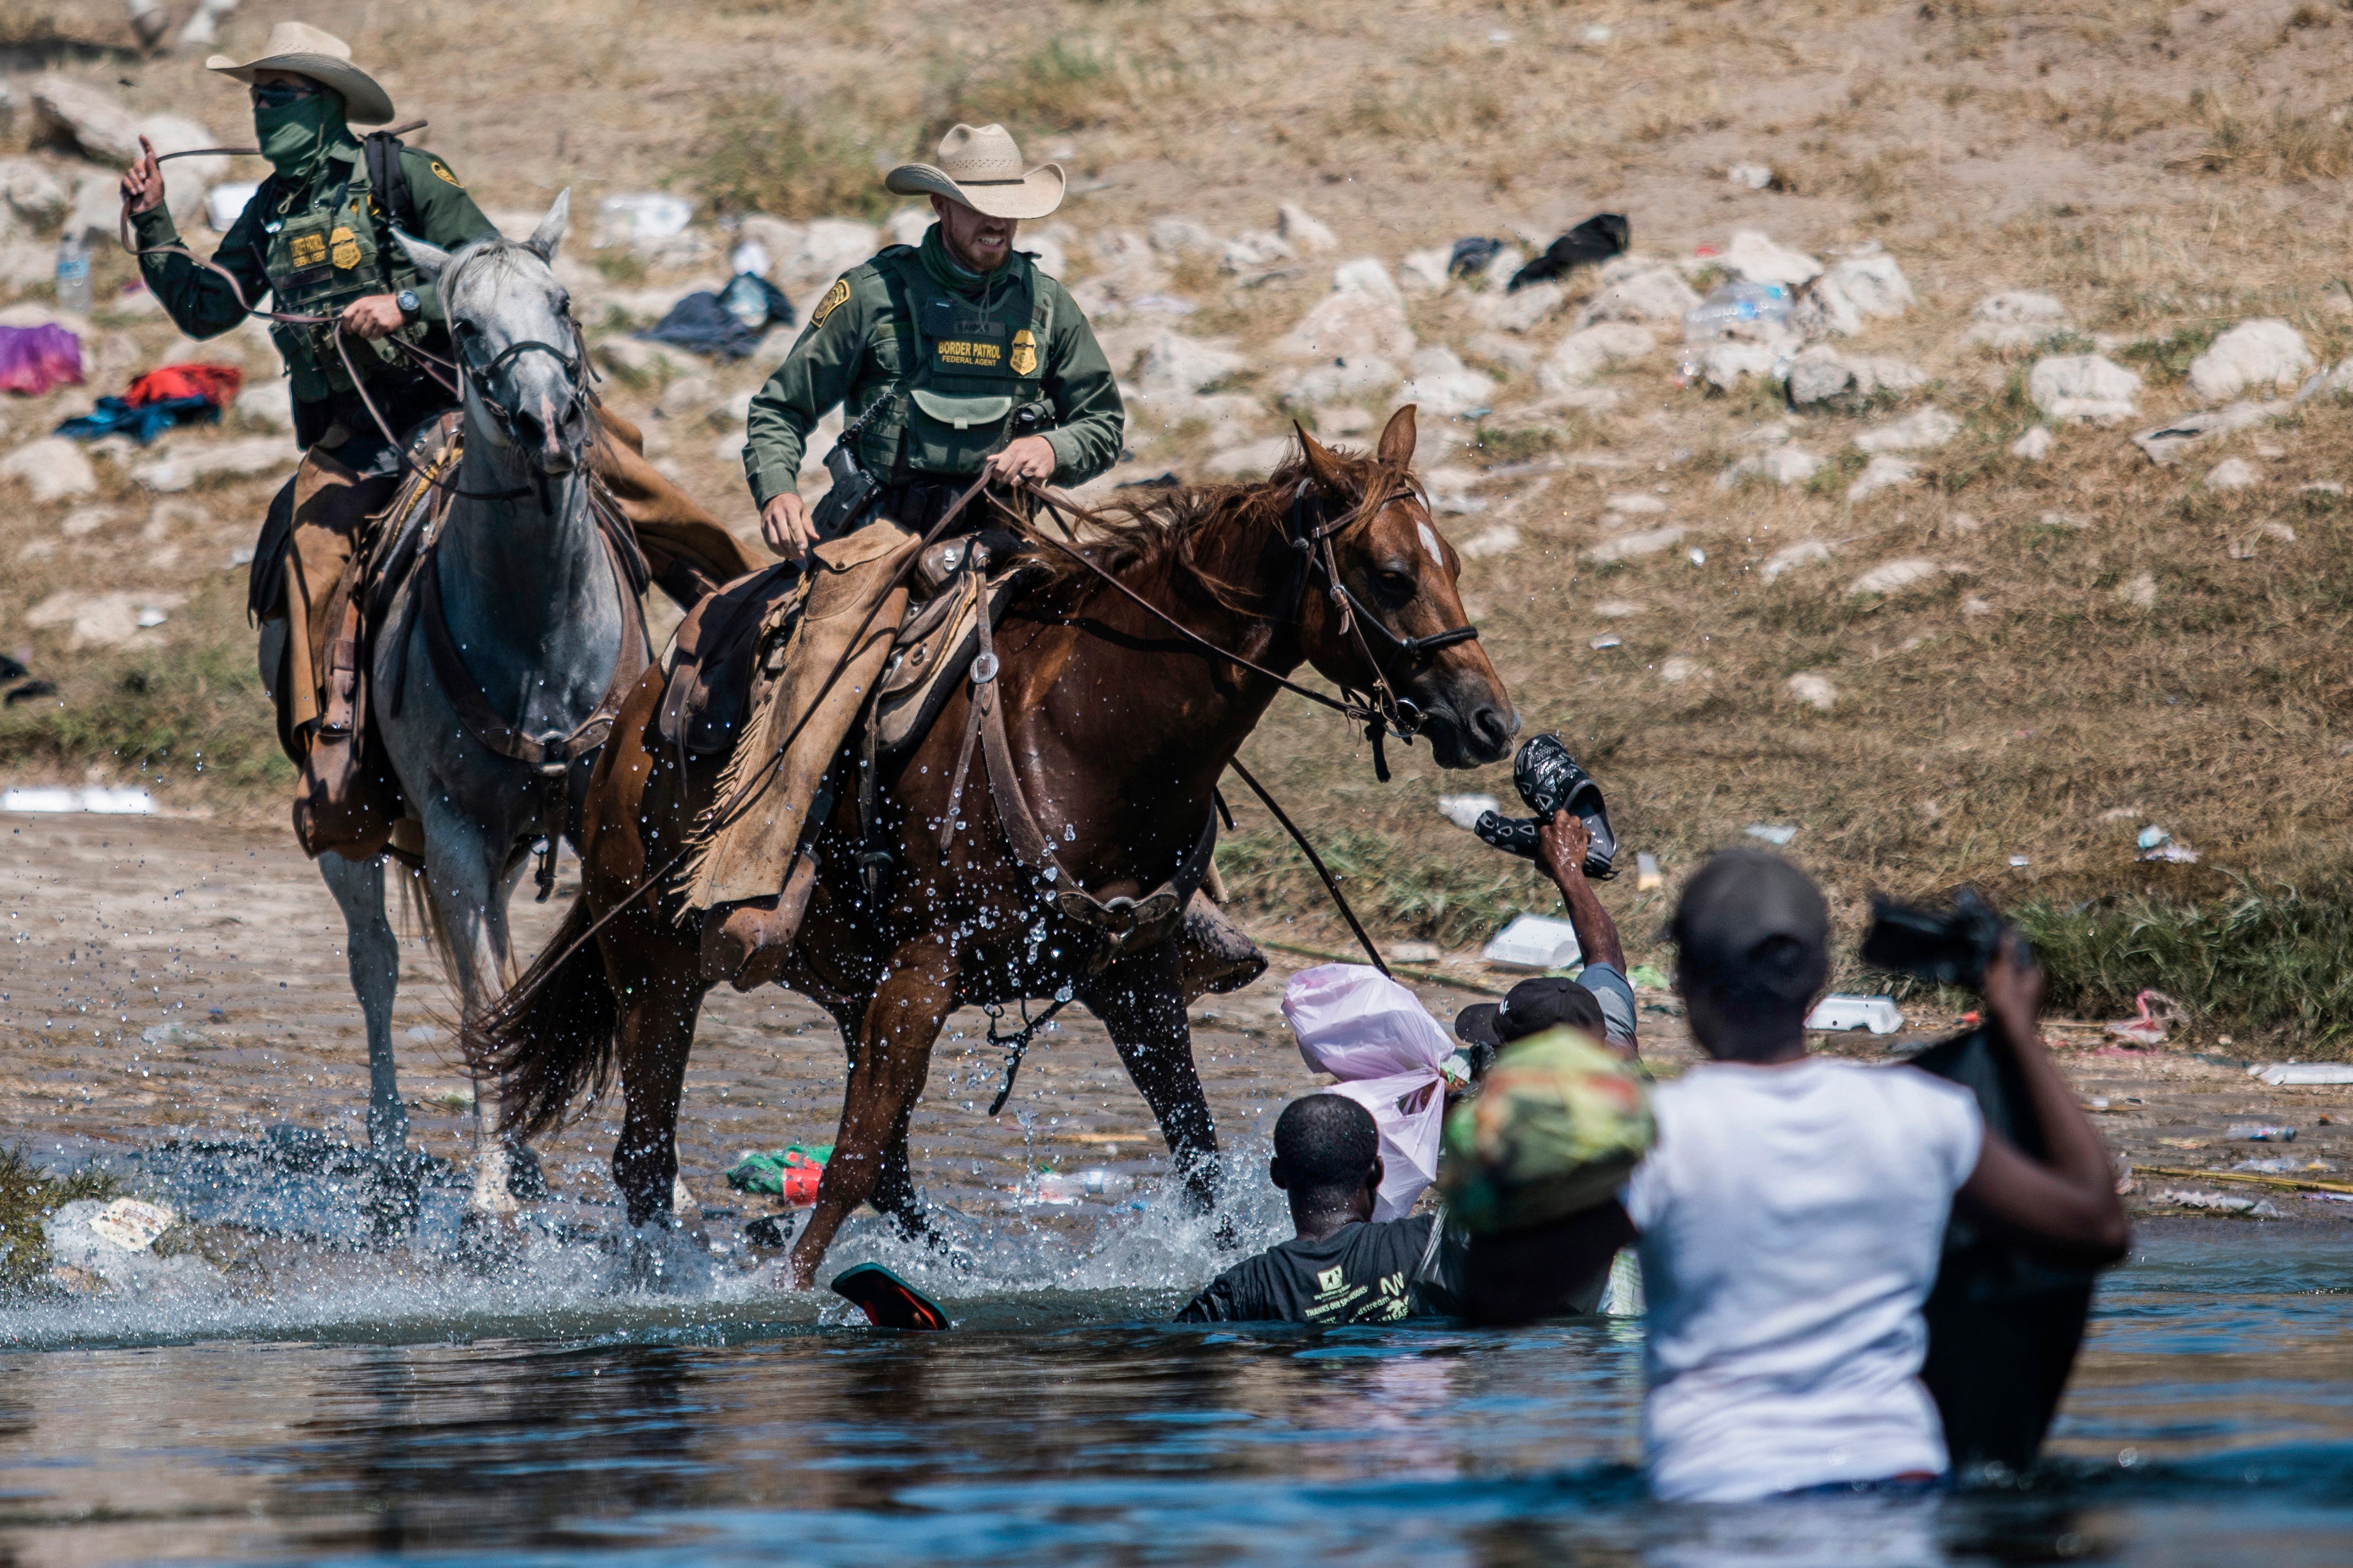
35	359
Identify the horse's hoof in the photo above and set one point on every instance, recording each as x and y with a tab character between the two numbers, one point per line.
661	1261
394	1196
526	1182
487	1241
1217	956
1225	1237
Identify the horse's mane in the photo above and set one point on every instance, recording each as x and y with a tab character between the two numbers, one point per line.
1197	533
493	257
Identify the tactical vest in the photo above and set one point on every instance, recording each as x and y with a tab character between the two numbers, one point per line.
319	261
963	376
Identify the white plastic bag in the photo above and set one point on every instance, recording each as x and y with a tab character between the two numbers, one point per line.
1369	1032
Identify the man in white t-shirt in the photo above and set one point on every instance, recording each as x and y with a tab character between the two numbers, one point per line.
1790	1218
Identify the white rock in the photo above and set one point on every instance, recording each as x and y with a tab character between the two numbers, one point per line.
1047	253
184	465
1891	576
1755	257
102	620
1424	271
1251	251
33	190
2334	381
2262	357
2034	446
1627	546
268	402
2083	386
2016	319
1724	364
907	225
88	520
1515	354
1349	324
1678	669
1583	353
1633	504
2167	442
1922	432
1341	381
1173	363
1852	291
637	356
1496	276
1254	460
2139	592
1880	374
1813	688
1789	557
51	467
1369	276
86	116
2234	474
2243	548
1442	385
687	397
1307	236
1782	465
829	247
1657	296
1880	474
1820	375
1750	176
1523	312
729	449
1181	236
780	238
1498	539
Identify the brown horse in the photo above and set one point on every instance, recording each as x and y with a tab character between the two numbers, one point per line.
1119	731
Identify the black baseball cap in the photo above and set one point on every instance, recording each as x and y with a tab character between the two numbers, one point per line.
1529	1008
1753	925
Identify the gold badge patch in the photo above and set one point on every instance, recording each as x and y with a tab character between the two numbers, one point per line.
346	250
835	298
442	170
1025	352
307	250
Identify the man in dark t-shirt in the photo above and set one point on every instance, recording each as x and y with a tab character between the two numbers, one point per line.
1341	1268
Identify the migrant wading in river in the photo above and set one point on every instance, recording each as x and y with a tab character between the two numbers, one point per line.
1115	733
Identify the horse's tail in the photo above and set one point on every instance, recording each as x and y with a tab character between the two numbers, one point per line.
549	1037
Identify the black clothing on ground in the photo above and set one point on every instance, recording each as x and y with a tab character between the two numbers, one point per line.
1364	1273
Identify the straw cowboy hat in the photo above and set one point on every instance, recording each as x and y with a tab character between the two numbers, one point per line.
982	169
324	58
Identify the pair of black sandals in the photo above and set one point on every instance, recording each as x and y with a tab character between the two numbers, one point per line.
1550	780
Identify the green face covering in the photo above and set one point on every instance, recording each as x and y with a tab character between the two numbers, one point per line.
295	137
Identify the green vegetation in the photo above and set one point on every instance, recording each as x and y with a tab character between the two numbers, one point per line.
2167	360
1451	900
27	1193
200	709
1062	87
758	153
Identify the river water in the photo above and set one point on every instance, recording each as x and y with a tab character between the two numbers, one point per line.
370	1404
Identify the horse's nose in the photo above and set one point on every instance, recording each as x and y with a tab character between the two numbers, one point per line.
1493	727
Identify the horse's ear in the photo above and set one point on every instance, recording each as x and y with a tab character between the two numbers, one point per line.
428	259
1397	440
550	232
1320	460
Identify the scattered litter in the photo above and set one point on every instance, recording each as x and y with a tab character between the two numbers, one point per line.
35	359
2258	1209
2173	854
156	402
728	324
102	801
791	1173
1750	176
1597	35
1771	832
150	617
131	1224
2282	1073
1464	810
1415	952
1838	1014
641	215
1606	641
1471	256
1533	941
2152	835
1646	873
2258	1132
1590	242
2020	862
1745	310
2284	1165
1649	977
1062	1188
173	1034
2154	1017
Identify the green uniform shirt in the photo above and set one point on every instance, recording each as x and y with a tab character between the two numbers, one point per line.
202	303
950	338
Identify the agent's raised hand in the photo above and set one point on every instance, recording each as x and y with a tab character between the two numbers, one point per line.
142	183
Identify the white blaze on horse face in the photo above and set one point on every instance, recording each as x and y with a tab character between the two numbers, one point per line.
1429	543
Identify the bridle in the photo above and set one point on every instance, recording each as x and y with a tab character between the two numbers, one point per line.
483	382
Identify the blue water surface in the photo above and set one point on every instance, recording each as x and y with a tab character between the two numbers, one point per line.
2210	1422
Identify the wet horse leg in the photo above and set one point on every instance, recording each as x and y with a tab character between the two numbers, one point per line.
656	973
886	1075
372	953
1141	1001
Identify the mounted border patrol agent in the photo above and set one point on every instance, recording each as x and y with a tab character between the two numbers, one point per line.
318	238
950	358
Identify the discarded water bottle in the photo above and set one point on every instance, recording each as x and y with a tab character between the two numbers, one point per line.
73	272
1738	310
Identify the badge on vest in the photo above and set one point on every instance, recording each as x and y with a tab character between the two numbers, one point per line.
1025	352
346	252
307	250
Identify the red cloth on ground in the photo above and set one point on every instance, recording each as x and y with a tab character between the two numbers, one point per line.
215	384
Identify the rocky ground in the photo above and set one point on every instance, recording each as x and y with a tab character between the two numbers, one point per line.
2021	534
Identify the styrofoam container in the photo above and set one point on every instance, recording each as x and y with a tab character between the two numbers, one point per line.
1838	1013
2306	1072
1534	942
106	802
224	203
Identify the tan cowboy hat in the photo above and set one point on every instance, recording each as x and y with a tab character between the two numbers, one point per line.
982	169
324	58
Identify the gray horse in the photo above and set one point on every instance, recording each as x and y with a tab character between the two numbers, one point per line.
535	611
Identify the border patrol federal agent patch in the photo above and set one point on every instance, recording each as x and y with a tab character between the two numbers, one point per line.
344	250
442	170
1025	352
307	250
835	298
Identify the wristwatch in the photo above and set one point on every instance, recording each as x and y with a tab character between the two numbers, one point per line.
409	304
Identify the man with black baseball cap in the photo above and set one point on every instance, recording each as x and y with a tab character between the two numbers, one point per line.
1791	1214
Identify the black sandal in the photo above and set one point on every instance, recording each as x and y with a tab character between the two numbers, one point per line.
1550	780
